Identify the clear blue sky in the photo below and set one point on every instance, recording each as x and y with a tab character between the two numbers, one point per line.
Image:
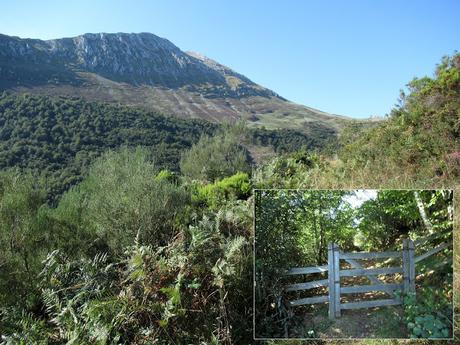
347	57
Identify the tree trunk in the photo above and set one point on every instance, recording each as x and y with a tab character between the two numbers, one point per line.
421	209
447	195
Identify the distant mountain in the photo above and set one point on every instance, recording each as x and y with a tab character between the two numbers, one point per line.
147	71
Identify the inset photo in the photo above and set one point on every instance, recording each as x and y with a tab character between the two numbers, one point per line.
347	264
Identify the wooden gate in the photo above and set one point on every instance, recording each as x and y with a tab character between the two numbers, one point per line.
335	290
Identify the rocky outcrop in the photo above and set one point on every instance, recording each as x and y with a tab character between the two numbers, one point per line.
138	59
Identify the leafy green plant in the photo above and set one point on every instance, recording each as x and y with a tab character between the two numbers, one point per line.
214	158
426	319
215	194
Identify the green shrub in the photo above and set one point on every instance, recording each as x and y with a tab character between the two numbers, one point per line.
123	199
166	175
428	315
237	186
214	158
24	235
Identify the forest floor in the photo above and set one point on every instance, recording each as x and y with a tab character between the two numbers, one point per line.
380	322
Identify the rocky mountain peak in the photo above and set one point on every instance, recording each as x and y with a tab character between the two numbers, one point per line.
142	58
134	58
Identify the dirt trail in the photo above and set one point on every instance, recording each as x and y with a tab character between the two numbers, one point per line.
382	322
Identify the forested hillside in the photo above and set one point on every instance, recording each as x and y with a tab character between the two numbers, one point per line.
61	137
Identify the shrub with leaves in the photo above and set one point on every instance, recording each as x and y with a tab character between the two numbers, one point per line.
427	314
215	158
222	191
191	290
123	198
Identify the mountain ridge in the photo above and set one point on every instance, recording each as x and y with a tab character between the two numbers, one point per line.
138	59
147	71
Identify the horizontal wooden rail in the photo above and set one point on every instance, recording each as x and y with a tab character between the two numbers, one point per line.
308	285
431	237
432	251
374	280
370	271
370	304
367	288
445	262
307	270
309	300
439	264
362	255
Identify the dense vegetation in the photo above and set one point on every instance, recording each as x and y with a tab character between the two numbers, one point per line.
127	256
421	136
60	138
143	252
416	146
293	229
215	158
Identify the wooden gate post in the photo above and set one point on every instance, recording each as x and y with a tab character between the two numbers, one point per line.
408	265
411	255
330	275
337	279
405	265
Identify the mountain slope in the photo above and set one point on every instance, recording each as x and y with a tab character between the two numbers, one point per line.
147	71
416	147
